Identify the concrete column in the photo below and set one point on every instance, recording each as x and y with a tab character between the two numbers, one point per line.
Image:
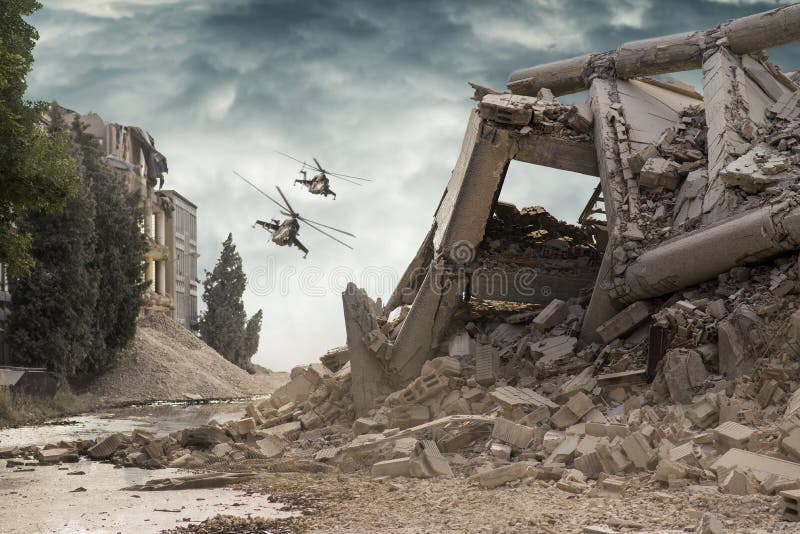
662	55
160	227
162	277
702	255
460	222
149	231
612	182
150	274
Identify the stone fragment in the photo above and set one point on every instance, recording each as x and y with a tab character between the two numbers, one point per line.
791	505
658	173
105	448
733	435
736	482
288	431
507	473
552	314
205	436
58	455
398	467
518	436
270	446
409	415
683	371
709	524
500	451
365	425
427	461
572	412
246	426
486	365
639	451
623	322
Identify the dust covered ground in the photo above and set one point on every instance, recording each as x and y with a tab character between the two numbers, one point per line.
356	503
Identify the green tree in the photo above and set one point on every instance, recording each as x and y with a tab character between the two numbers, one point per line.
37	173
119	248
222	326
52	308
77	307
252	333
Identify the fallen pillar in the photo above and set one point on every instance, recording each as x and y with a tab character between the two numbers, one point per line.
612	181
701	255
661	55
460	222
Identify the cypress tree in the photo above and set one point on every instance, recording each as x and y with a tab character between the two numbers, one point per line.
222	326
252	333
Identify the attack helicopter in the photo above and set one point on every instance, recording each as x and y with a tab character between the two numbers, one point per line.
320	183
285	233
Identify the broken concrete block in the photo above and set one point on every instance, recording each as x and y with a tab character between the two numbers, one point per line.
486	365
572	412
511	397
624	322
637	160
461	345
790	444
683	371
269	446
506	109
658	173
754	171
704	413
791	505
406	416
500	451
639	451
297	390
399	467
764	397
733	435
245	426
564	451
551	440
612	457
507	473
552	314
579	117
731	349
667	470
443	365
689	202
759	465
54	456
424	387
427	461
736	482
589	464
288	431
106	447
518	436
365	425
611	486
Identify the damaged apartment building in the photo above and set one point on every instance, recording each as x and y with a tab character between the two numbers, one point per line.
170	222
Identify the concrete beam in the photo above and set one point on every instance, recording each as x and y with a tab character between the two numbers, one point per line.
566	154
723	79
529	285
460	222
702	255
601	306
661	55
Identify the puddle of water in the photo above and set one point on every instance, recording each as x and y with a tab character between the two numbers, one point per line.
43	501
162	419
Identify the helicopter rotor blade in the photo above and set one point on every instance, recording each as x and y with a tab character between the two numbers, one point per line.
318	165
324	226
292	157
348	180
294	213
326	233
254	186
340	175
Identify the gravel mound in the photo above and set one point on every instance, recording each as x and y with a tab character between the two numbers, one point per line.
167	362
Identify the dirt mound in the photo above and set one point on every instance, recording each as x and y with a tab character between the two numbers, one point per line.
167	362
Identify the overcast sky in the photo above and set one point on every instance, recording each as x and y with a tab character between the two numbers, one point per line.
371	88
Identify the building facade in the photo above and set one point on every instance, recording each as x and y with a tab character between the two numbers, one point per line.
181	271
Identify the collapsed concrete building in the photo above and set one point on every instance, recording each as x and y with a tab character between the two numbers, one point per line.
692	185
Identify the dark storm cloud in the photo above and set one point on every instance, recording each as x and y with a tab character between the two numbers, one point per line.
372	88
